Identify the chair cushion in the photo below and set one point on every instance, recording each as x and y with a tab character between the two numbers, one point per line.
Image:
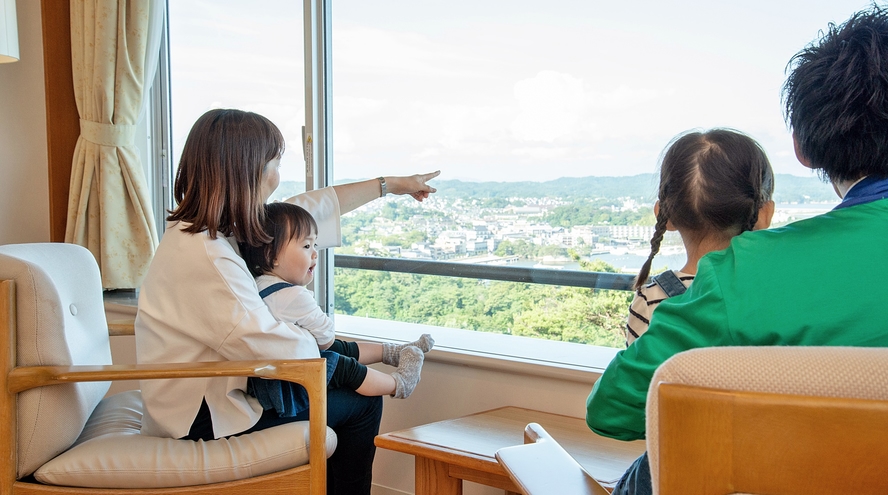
112	454
60	321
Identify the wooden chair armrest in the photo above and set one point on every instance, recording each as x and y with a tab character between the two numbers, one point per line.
310	373
307	372
544	467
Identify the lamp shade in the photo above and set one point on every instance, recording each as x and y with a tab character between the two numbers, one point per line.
9	45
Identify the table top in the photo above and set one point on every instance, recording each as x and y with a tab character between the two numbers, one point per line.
472	441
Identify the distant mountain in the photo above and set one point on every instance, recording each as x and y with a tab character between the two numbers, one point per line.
788	188
642	187
794	189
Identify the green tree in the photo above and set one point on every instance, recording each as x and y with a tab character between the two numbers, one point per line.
567	314
597	266
519	248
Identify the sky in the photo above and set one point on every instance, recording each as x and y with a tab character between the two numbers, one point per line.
511	90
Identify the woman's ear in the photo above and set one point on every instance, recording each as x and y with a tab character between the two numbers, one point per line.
766	213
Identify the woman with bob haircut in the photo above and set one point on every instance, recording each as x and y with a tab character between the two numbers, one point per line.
199	301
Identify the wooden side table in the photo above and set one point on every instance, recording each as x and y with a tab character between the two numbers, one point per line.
450	451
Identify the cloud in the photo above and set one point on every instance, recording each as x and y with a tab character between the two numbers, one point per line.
551	107
559	107
365	50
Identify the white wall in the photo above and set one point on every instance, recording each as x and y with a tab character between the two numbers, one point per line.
24	182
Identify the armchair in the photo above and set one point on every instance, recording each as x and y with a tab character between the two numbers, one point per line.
758	420
58	433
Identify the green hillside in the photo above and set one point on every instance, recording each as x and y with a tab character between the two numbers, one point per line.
643	187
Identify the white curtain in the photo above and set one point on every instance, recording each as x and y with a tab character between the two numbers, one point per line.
114	49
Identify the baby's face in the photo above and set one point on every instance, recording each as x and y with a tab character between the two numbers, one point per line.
296	262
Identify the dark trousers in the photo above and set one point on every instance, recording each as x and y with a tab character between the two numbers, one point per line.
355	419
349	372
637	479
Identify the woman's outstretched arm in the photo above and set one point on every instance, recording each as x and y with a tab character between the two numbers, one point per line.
357	194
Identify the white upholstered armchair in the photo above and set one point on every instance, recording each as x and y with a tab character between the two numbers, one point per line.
58	432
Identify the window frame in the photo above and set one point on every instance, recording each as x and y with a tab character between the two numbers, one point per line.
159	134
317	133
577	362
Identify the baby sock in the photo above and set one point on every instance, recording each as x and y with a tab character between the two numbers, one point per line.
407	376
392	352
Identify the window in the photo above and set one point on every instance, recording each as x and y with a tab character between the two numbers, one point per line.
525	107
546	118
227	54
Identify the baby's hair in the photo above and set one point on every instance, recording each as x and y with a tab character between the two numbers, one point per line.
283	222
712	182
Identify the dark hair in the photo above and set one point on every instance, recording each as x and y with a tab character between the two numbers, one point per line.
836	98
710	182
283	222
218	184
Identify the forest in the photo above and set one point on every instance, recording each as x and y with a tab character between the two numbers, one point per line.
567	314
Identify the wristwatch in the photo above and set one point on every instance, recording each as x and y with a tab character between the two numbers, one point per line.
382	186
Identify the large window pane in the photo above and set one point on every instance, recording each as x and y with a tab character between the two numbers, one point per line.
547	120
245	55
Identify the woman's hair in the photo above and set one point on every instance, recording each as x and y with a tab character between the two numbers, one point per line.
712	182
283	222
836	98
218	184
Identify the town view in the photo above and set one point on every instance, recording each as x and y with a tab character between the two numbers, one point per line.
601	224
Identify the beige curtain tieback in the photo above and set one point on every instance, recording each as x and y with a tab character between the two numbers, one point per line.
107	134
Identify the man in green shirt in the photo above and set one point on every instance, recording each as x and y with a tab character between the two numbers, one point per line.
812	283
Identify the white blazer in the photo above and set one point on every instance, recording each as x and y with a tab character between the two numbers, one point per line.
199	302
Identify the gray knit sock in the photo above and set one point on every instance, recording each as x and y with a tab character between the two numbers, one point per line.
391	352
407	376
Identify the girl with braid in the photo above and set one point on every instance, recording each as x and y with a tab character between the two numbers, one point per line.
714	185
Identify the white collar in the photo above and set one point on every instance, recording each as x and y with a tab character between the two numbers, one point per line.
842	188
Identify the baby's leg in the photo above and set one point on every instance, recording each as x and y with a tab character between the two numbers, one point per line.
364	352
377	383
399	384
345	348
369	352
391	352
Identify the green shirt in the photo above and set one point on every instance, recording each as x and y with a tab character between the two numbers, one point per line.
815	282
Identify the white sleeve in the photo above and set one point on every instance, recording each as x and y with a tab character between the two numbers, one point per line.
297	305
257	333
323	204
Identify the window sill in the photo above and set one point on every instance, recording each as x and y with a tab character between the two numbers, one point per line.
506	353
525	355
120	311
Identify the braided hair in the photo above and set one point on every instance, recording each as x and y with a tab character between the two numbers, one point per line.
712	182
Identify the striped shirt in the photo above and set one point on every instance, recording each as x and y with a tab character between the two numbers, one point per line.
646	300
